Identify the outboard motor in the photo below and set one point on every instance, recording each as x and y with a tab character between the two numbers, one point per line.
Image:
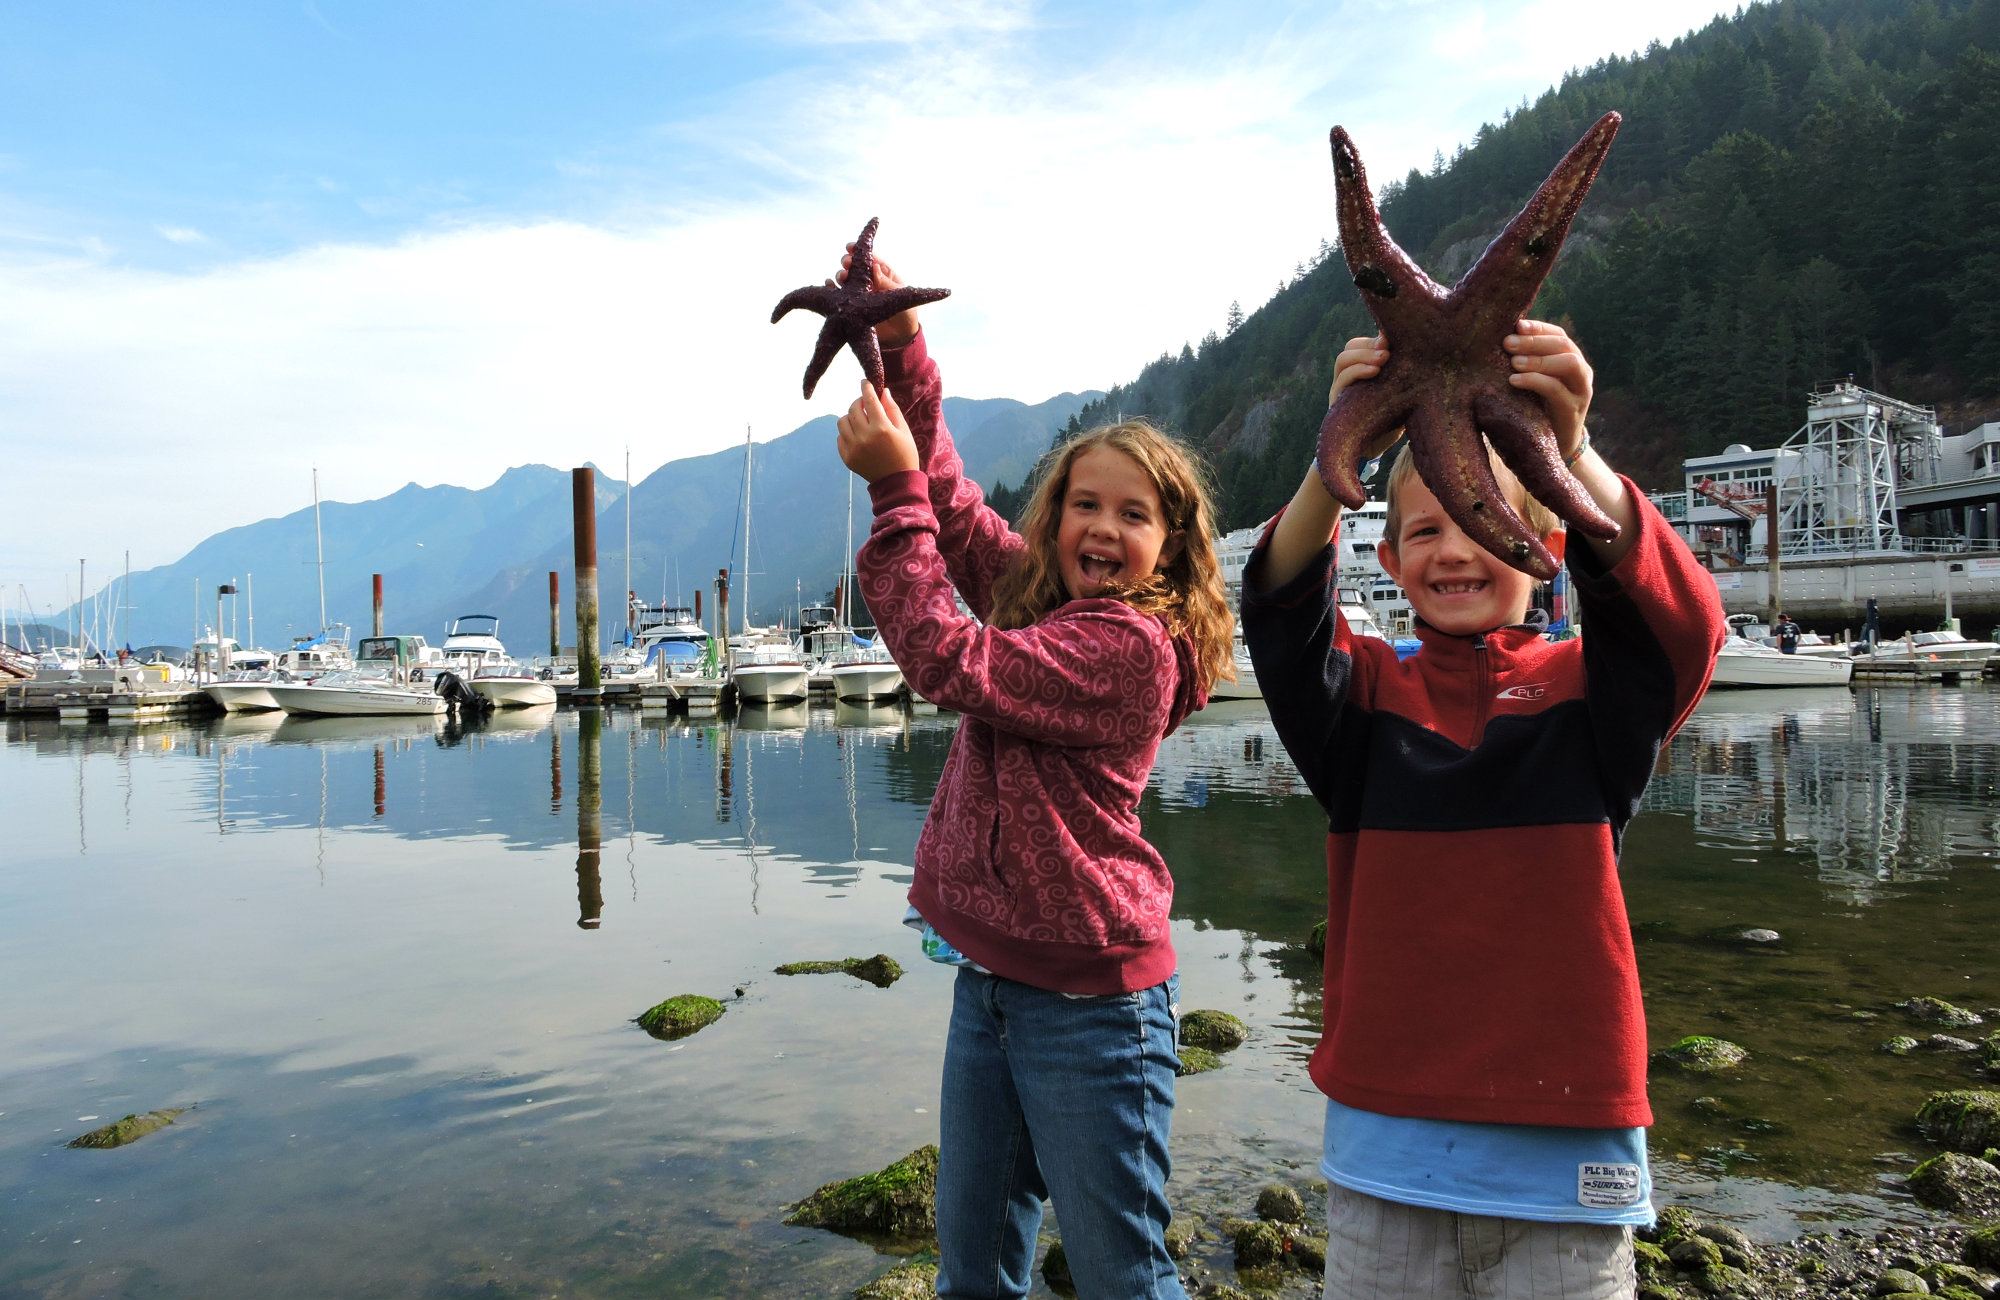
460	695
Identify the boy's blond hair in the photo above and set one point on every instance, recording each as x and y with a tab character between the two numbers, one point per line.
1538	516
1185	592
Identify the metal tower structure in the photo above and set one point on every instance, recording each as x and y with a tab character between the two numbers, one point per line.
1853	449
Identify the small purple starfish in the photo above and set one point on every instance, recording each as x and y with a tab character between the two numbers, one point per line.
852	312
1446	377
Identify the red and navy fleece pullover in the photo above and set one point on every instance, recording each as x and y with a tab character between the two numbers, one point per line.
1031	860
1479	961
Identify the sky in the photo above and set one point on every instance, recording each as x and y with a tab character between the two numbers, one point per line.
428	242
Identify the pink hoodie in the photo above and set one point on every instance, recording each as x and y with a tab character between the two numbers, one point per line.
1031	861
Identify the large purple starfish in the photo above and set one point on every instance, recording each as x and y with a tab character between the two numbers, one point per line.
1446	377
853	310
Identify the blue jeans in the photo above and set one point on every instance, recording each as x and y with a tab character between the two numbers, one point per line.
1047	1096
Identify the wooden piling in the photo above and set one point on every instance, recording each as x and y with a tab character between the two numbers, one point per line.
583	500
555	616
378	605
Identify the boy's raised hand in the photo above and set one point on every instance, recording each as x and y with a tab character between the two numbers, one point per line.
875	439
1362	358
1549	364
898	329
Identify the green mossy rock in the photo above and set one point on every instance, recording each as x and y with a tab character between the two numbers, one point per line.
1738	1251
1982	1248
1900	1281
906	1282
1726	1283
1652	1262
678	1017
1055	1270
1958	1293
1943	1275
1964	1119
897	1201
1901	1045
1700	1054
1258	1243
1197	1060
1989	1052
1695	1254
1181	1234
881	970
1280	1204
1936	1011
1218	1031
1672	1224
129	1129
1309	1253
1957	1183
1316	943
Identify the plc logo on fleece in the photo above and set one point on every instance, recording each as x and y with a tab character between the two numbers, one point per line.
1532	691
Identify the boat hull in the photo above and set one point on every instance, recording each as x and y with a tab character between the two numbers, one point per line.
241	697
770	683
866	681
347	701
1768	670
515	693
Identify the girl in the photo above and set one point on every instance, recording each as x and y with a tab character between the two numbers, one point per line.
1099	627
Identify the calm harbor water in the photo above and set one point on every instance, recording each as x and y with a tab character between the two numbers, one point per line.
392	965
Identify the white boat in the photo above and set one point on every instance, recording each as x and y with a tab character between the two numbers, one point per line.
1947	648
511	686
386	680
1743	662
1360	622
245	687
866	673
769	673
474	640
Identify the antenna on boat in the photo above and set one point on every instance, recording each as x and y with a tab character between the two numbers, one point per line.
629	617
743	586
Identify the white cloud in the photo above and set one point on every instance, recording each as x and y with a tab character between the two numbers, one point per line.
1087	217
181	235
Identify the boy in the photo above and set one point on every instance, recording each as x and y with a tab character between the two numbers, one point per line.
1484	1052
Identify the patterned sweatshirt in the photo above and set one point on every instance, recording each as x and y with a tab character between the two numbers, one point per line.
1031	860
1479	962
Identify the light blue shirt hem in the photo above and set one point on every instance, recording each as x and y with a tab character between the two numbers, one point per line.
1638	1216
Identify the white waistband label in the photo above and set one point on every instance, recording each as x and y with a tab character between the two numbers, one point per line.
1607	1186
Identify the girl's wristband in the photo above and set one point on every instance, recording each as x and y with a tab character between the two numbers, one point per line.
1569	461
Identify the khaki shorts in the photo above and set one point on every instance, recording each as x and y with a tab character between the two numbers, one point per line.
1384	1250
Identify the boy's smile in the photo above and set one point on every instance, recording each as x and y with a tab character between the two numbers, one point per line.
1452	583
1112	529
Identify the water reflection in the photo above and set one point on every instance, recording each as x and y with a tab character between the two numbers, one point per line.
589	818
1884	787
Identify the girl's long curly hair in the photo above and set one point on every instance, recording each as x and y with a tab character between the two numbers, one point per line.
1185	592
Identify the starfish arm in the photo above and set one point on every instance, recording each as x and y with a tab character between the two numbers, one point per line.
861	268
880	306
1394	288
1360	415
830	343
868	351
1504	281
1520	432
813	297
1453	460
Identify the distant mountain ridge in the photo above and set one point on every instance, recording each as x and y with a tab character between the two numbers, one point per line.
448	550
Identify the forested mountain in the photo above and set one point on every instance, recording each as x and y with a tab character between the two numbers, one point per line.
1808	190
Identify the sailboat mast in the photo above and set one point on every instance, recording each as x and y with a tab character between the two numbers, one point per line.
846	561
250	603
319	550
743	587
629	629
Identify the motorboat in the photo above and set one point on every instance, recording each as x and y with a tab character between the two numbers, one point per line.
769	673
1933	648
865	673
245	685
474	640
388	678
1245	686
1354	611
511	686
1743	662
